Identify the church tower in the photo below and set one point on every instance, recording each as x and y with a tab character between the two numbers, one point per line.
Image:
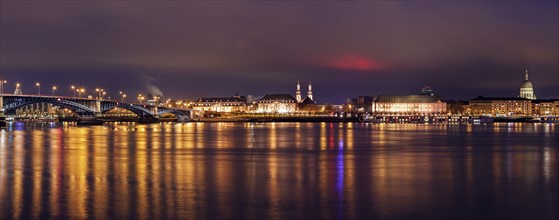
309	93
298	92
526	88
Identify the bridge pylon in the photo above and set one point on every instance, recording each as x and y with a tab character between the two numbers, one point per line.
97	108
2	116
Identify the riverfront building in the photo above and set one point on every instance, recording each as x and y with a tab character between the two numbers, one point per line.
500	106
409	105
271	103
525	104
221	104
545	107
277	103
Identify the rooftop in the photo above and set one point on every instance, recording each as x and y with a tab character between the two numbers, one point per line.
499	98
223	99
408	98
308	101
278	97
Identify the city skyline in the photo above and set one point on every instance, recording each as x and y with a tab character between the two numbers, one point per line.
204	49
279	109
79	91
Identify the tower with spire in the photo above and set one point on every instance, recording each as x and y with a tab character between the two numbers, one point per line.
526	88
298	93
309	93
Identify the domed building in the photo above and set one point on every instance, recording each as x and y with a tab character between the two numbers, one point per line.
526	88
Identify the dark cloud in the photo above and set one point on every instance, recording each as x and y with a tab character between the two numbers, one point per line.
192	49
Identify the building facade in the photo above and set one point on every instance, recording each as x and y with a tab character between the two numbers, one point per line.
409	105
277	104
545	107
500	106
221	104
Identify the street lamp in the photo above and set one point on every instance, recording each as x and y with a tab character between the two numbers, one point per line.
38	88
80	91
18	90
73	90
2	83
100	93
122	96
53	89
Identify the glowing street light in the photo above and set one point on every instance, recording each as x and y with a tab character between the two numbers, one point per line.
18	90
100	93
53	89
38	88
73	90
80	91
122	96
2	83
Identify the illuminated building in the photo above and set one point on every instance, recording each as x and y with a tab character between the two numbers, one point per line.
500	106
545	107
526	88
221	104
42	110
277	103
409	105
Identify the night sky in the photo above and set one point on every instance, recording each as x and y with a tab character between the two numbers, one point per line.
218	48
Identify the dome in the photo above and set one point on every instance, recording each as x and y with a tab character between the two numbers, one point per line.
526	84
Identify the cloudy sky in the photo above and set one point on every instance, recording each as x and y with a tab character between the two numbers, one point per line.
198	49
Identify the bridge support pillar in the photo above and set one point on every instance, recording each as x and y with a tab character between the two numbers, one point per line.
154	111
2	116
97	108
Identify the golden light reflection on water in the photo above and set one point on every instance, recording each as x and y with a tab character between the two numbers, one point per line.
37	164
3	163
273	170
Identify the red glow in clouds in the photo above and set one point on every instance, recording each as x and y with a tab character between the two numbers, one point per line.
354	62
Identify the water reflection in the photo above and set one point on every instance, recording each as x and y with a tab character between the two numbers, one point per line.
279	171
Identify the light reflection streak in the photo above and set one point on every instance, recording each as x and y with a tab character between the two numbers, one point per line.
3	165
547	167
37	161
18	163
340	178
323	136
349	136
273	136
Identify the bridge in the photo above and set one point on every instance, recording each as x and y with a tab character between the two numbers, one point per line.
89	108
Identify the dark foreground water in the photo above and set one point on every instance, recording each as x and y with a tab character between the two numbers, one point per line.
280	171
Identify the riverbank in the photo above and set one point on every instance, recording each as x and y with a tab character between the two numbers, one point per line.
279	119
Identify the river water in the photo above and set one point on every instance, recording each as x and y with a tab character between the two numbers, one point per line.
279	171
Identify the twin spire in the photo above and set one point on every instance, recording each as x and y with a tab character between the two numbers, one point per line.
298	92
